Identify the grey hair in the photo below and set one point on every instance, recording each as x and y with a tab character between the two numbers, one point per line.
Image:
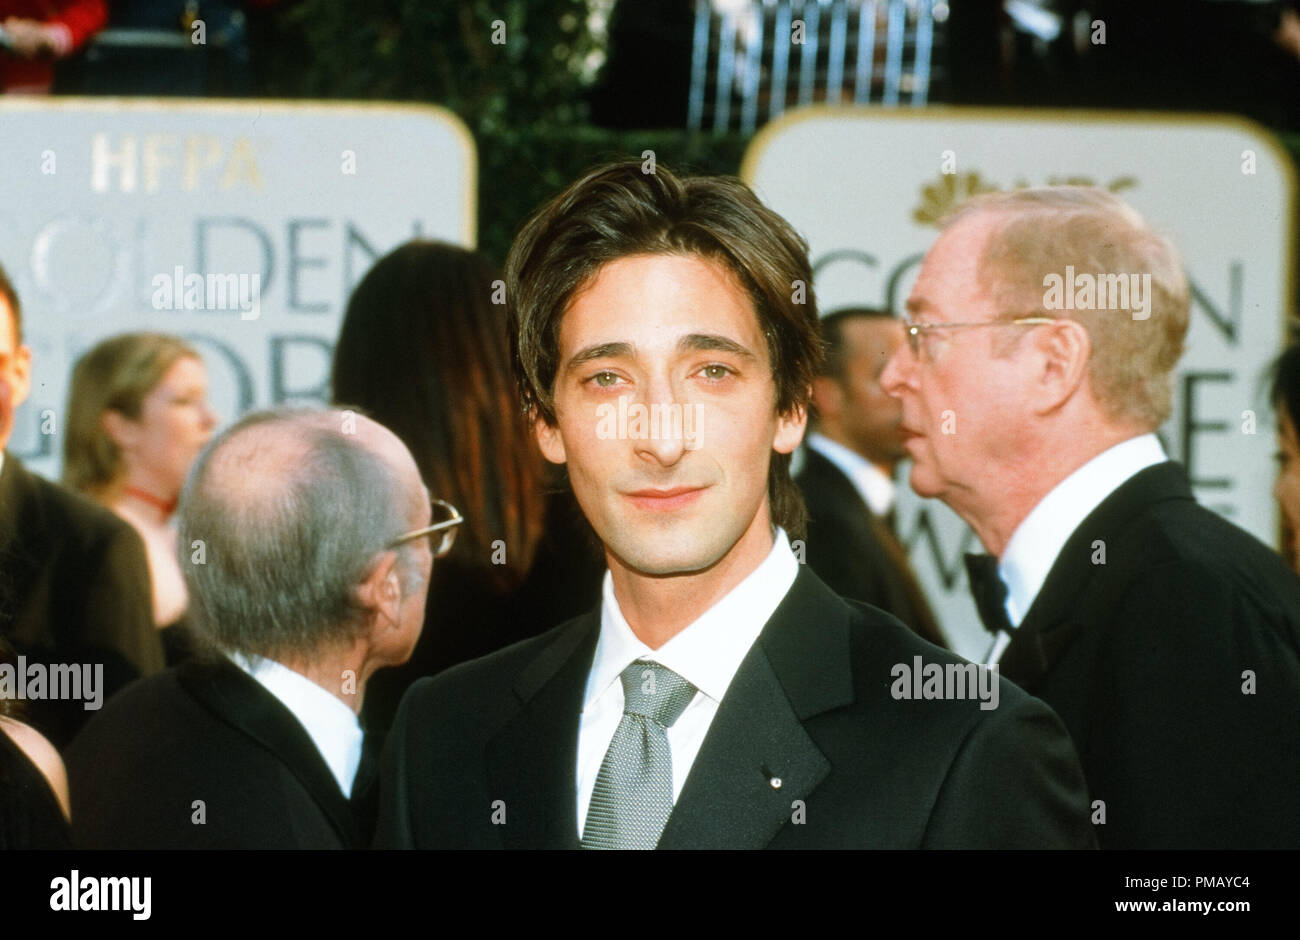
290	513
1039	231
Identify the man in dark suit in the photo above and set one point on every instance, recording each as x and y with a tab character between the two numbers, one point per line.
312	538
74	581
1166	639
847	478
720	696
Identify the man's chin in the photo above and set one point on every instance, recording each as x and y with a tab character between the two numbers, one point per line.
670	559
923	483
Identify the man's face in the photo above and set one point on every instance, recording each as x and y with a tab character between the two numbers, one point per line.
15	372
961	406
416	514
676	333
1286	488
869	417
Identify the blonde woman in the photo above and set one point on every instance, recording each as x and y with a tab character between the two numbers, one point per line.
137	417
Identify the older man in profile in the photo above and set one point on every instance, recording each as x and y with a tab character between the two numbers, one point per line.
1167	639
308	540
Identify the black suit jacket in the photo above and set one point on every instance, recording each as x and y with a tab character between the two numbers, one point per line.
75	589
203	731
1146	658
810	704
854	552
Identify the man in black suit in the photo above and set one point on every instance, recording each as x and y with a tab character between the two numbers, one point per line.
720	696
847	478
74	581
311	553
1164	637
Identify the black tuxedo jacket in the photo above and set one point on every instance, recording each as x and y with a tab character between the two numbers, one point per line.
74	588
203	731
484	755
1175	664
854	552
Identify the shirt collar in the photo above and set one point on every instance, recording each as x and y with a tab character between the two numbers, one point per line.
876	489
331	725
708	652
1033	547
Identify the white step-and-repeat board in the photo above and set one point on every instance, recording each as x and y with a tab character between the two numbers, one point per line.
241	226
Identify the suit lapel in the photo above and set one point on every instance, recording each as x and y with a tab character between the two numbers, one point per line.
904	595
22	541
532	761
757	758
1063	606
239	700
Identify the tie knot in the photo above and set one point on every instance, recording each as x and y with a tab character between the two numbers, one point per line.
655	692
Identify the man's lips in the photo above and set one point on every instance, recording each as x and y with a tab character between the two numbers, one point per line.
664	500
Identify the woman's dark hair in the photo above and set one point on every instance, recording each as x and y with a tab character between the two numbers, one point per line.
9	708
618	210
1284	392
423	350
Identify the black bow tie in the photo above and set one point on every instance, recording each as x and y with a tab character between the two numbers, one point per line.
989	591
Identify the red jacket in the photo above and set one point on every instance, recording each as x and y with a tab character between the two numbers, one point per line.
79	20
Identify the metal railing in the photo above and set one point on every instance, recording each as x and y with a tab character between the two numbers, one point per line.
751	61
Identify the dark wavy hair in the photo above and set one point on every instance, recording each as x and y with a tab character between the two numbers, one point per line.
1284	388
618	210
9	707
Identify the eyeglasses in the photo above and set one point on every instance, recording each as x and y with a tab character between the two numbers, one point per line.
914	330
446	527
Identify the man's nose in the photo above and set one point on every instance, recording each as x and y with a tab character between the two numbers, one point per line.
662	435
897	371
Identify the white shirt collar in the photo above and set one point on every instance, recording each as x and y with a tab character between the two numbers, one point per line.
331	725
1033	547
876	489
708	652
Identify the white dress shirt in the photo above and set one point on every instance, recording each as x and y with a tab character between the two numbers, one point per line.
331	725
1033	547
707	654
876	489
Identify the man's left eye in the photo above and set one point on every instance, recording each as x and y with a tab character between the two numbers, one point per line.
715	371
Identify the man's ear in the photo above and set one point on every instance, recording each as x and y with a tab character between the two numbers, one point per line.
827	396
1064	349
380	591
789	429
549	439
22	374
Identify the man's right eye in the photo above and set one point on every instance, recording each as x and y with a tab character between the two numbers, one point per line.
605	379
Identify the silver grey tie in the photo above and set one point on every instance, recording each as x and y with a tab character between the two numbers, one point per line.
633	795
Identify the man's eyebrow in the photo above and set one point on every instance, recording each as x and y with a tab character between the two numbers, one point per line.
599	351
711	342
